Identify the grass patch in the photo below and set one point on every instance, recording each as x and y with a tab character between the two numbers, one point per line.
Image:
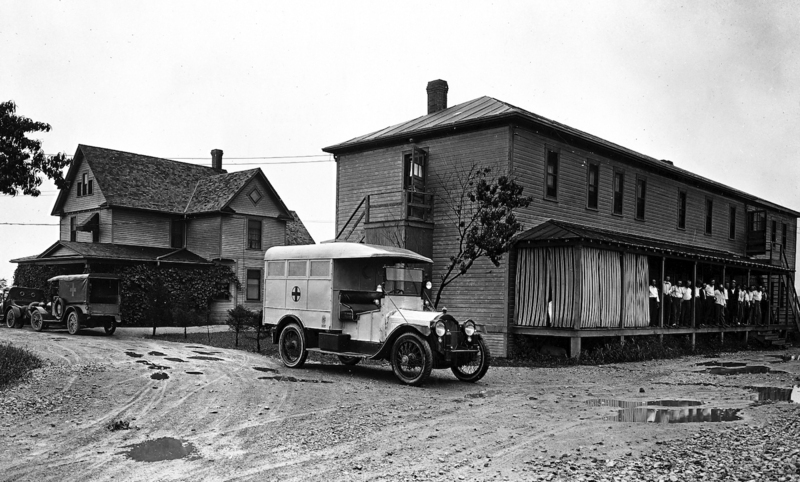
15	363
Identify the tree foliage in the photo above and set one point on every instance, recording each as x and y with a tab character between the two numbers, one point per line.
481	209
149	293
22	160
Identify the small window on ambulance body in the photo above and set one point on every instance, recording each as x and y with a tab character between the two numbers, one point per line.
276	268
298	268
321	269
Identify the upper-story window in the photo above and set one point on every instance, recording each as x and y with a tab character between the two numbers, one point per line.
73	231
783	235
254	233
641	191
85	186
592	184
681	209
709	215
414	170
178	233
773	237
619	186
757	221
551	175
732	223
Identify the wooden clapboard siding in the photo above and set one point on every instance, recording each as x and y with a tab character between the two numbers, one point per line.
661	208
74	203
203	236
370	172
141	228
106	226
266	206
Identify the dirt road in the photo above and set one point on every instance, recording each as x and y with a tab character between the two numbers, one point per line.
230	415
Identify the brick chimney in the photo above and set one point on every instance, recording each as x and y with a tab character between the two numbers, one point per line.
437	95
216	159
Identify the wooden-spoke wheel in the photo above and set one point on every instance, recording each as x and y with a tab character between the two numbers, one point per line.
349	360
11	320
412	359
292	346
74	321
475	368
37	321
110	327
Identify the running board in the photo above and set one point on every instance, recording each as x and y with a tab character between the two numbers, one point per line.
341	353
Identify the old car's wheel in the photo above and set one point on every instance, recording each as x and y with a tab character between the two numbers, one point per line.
412	359
11	320
474	369
37	321
292	346
110	327
74	321
349	360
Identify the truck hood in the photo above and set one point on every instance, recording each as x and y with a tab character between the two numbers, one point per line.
413	317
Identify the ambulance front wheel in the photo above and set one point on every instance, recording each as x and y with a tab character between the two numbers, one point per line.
292	346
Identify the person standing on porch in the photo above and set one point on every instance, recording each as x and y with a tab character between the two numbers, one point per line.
686	305
748	302
677	297
719	305
709	303
653	303
755	308
764	305
733	304
666	297
699	300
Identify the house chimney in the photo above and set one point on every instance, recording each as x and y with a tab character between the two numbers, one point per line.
216	159
437	95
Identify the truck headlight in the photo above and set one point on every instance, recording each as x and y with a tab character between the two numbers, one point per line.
440	328
469	328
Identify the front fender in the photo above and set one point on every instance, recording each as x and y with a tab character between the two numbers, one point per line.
17	312
423	331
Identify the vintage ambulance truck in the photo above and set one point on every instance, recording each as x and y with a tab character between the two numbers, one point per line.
364	301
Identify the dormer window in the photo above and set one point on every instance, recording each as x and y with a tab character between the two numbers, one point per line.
255	196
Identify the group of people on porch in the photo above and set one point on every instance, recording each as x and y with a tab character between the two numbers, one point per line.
715	304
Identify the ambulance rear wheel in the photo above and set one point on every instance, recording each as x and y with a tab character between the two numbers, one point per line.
292	346
349	360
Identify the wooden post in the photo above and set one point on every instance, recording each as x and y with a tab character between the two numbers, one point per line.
694	298
693	340
747	283
366	210
575	347
663	295
622	339
746	337
722	337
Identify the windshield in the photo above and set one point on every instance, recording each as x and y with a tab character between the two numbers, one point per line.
403	281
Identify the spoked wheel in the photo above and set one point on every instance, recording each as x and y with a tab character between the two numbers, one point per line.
349	360
110	327
412	359
474	369
37	321
74	321
292	346
11	320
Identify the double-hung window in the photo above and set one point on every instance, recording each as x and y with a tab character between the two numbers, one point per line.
551	175
254	234
619	186
732	223
681	209
641	191
592	184
253	284
709	215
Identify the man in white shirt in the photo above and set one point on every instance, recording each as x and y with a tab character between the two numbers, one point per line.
709	303
666	297
677	296
686	305
756	306
653	303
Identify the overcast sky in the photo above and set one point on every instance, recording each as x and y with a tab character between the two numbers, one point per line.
713	86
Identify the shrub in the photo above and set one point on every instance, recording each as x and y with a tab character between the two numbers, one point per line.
15	363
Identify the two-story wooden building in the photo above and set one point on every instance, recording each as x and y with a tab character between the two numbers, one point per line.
604	220
124	208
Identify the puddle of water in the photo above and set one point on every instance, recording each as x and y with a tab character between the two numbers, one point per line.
774	394
601	402
209	358
159	376
208	352
199	347
283	378
133	354
57	339
265	369
177	360
483	394
742	370
143	361
722	364
157	353
784	358
164	448
687	415
158	367
195	373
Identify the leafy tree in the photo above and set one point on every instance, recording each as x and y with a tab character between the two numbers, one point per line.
22	160
239	319
481	209
3	284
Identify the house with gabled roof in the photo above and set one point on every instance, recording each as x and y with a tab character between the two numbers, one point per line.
125	208
604	221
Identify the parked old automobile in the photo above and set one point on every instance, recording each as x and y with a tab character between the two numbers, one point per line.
83	301
362	301
18	303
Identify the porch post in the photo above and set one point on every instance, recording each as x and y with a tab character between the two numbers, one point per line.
663	295
575	347
694	298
